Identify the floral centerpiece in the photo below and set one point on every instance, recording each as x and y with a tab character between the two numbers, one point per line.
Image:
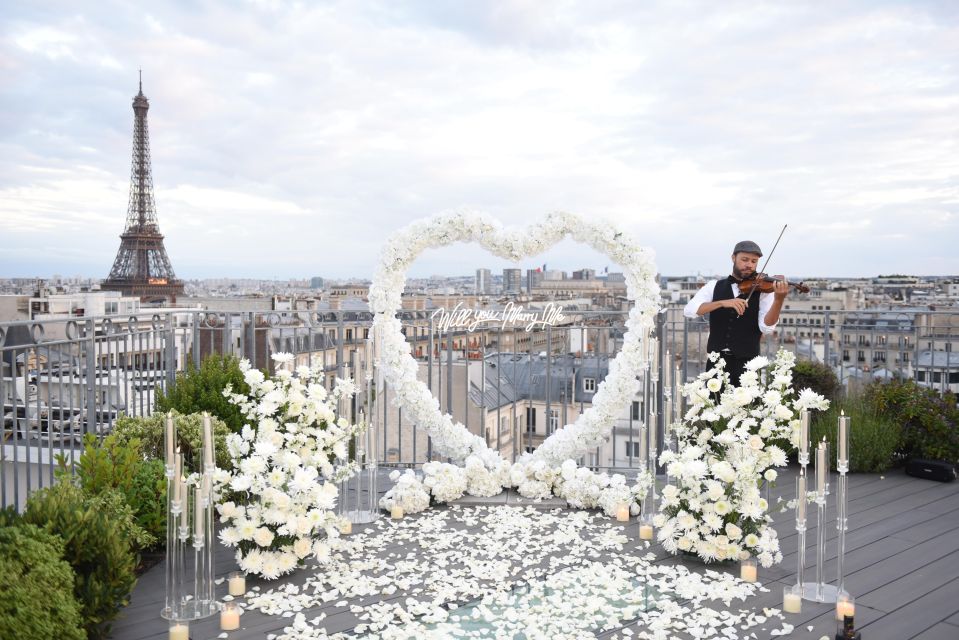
729	443
277	505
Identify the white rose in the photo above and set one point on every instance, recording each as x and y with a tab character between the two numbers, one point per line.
714	385
263	537
770	475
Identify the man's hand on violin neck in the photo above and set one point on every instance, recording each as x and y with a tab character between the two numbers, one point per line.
736	303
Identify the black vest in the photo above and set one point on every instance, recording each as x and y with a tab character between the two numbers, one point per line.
739	334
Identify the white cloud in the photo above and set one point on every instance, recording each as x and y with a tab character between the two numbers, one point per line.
294	124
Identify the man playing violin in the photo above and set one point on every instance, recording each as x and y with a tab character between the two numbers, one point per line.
738	320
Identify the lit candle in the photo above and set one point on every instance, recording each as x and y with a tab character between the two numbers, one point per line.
801	498
230	617
748	572
804	434
821	469
792	600
179	631
346	527
622	513
170	438
198	514
396	512
236	583
207	440
646	529
845	606
843	459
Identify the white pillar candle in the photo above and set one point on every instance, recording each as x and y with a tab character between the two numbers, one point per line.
669	415
179	631
170	438
845	606
207	440
177	474
843	458
804	433
821	469
653	428
622	513
396	512
748	571
645	531
230	617
346	527
198	525
801	498
792	601
643	444
236	583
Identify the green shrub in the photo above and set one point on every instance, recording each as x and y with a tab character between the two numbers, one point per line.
36	587
199	390
150	431
118	463
818	377
873	437
929	421
94	544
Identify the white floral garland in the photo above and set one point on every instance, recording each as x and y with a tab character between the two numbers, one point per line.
452	439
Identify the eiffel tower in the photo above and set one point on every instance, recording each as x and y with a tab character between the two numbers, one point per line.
142	267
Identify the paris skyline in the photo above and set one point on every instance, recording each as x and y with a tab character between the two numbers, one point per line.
691	126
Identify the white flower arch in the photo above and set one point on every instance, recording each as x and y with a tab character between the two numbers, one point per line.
614	394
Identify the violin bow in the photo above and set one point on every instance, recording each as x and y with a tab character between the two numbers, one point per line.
768	258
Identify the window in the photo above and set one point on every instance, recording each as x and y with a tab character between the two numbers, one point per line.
589	385
948	347
504	425
861	356
879	356
905	357
845	355
636	410
881	340
366	334
553	420
845	339
632	449
349	335
531	416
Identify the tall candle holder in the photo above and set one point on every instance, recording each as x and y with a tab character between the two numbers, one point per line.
842	517
359	493
185	599
819	591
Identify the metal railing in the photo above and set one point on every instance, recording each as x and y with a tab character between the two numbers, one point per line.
63	378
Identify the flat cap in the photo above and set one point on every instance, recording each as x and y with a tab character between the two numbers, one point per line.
748	246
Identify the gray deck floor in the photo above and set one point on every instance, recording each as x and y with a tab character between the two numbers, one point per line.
902	565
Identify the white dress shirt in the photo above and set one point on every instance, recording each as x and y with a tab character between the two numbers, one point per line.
705	294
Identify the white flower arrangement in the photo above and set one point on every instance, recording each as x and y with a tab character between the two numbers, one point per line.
278	503
581	487
727	448
451	439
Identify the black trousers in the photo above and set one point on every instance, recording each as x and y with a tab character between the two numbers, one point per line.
735	366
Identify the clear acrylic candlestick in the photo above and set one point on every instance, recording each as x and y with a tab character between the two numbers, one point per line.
819	591
842	523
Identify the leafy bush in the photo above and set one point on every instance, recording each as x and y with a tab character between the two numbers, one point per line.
118	463
929	421
873	437
94	544
818	377
36	587
150	431
199	390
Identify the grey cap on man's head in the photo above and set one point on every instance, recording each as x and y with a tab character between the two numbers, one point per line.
748	246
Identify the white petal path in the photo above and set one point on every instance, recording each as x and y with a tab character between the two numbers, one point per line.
408	578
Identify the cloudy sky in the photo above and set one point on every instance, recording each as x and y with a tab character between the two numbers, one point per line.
289	139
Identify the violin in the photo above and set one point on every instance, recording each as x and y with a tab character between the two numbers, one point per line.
765	284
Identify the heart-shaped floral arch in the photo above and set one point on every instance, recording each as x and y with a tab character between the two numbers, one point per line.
613	395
